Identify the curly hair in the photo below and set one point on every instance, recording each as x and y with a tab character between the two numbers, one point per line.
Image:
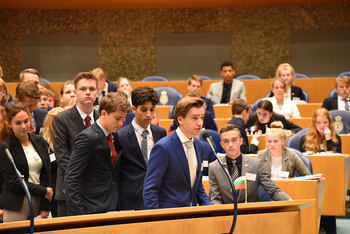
313	139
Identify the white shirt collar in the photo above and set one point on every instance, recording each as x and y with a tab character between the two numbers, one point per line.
83	115
140	129
103	130
183	137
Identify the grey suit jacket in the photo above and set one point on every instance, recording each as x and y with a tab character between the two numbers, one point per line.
237	91
290	162
65	127
220	186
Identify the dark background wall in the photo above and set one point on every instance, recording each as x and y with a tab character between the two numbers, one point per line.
126	39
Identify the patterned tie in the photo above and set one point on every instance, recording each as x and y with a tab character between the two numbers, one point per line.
31	129
346	104
113	152
87	121
192	161
234	173
144	148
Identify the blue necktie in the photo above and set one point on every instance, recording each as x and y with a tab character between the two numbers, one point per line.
346	105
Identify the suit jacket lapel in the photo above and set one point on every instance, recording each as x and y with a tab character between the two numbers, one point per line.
180	152
20	155
118	148
135	144
155	133
39	149
76	118
104	142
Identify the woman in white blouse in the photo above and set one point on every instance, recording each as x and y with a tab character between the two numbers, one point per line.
282	106
29	152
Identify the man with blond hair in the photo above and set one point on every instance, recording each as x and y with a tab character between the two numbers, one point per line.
30	74
104	86
341	102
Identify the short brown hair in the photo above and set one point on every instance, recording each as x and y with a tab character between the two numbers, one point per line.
195	77
193	94
54	94
84	75
68	82
239	105
115	101
28	71
229	127
98	73
184	106
27	89
143	94
344	79
45	91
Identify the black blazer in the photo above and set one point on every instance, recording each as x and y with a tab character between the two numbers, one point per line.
91	181
330	103
39	116
275	117
296	92
13	193
65	127
134	167
209	104
245	149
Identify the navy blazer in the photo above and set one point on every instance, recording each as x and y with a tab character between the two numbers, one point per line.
209	104
208	123
330	103
65	128
134	167
112	87
13	193
167	182
39	116
91	181
245	149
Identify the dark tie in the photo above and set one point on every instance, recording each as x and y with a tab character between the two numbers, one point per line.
31	129
346	104
234	173
87	121
103	93
144	148
113	152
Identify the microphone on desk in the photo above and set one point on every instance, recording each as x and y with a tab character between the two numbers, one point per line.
206	136
5	147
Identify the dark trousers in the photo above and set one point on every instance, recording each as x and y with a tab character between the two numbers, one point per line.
62	210
329	224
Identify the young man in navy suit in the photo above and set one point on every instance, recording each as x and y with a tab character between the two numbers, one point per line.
67	125
173	177
341	102
104	86
134	159
92	176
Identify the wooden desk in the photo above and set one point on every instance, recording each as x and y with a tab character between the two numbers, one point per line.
265	218
163	111
301	189
335	168
165	123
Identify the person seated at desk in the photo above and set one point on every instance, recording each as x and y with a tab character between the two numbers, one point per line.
238	165
341	102
321	135
227	90
287	73
264	116
282	106
277	159
240	111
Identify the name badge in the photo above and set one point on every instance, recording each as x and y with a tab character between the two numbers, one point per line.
251	177
205	163
52	157
284	174
36	156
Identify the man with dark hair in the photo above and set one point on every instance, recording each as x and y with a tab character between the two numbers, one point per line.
240	111
173	177
92	177
227	90
195	85
138	138
67	125
239	165
29	94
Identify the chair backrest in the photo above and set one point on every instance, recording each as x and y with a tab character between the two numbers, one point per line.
201	76
168	95
306	161
44	80
301	75
293	141
306	96
155	78
344	73
341	121
255	105
248	77
171	112
215	137
333	93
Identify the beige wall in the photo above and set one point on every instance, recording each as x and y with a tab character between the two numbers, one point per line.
126	38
